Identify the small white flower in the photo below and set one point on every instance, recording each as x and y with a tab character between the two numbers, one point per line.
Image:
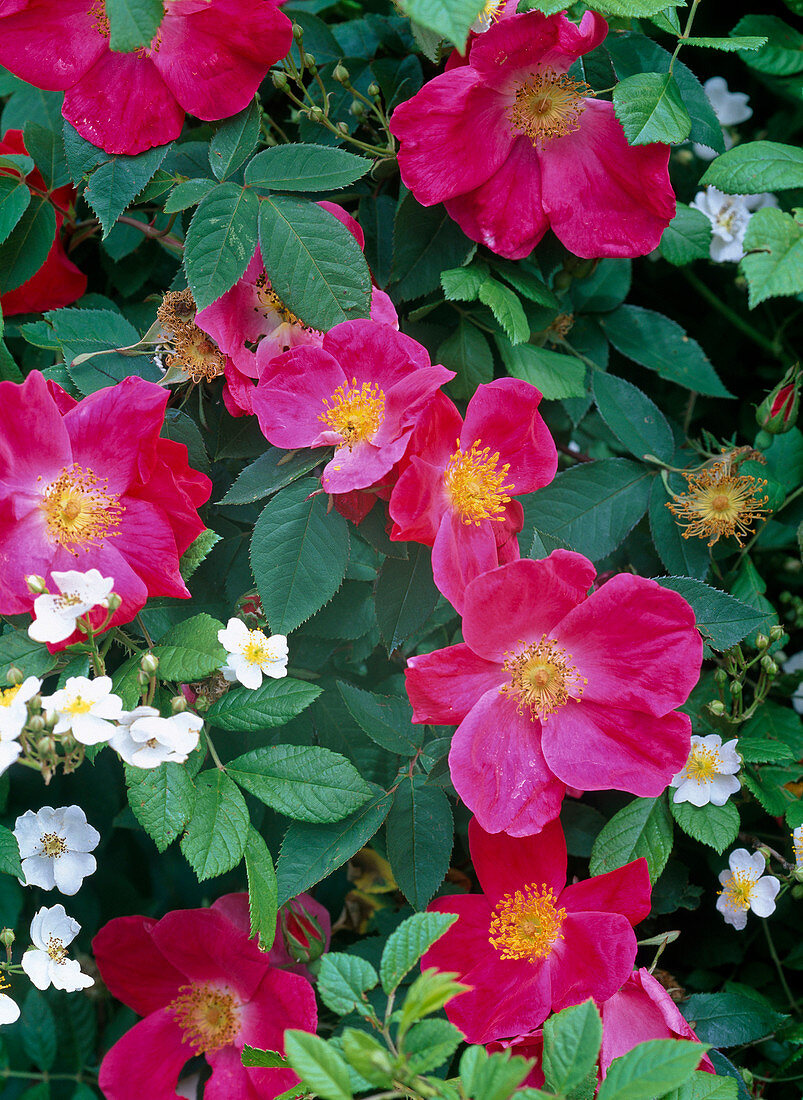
87	707
251	653
795	664
46	963
14	707
743	888
9	1009
797	843
146	740
729	216
710	772
55	846
55	617
730	108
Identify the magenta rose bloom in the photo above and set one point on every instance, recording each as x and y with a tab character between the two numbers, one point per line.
529	945
208	58
90	485
514	146
457	496
555	688
204	988
252	313
362	392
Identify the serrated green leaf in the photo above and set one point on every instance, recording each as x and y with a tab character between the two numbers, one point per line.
425	242
9	854
687	237
255	1058
14	200
234	141
30	657
97	333
387	719
642	828
191	650
462	284
650	109
634	419
38	1030
343	981
117	181
467	353
218	828
133	24
762	750
318	1064
729	45
756	167
162	800
687	557
651	1069
220	241
572	1040
271	472
263	890
25	249
419	833
273	703
197	552
507	310
186	194
405	946
556	375
721	619
405	595
773	260
430	1043
300	167
447	18
729	1019
716	826
781	56
493	1077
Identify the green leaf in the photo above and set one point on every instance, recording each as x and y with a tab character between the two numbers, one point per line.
273	703
507	310
493	1077
660	344
466	352
762	750
650	1069
14	200
190	651
218	829
636	421
687	237
133	23
407	943
773	261
162	800
592	507
572	1041
343	981
425	242
311	852
642	828
532	287
305	783
300	167
721	619
634	8
716	826
557	376
31	658
405	595
313	262
9	854
430	1043
777	723
299	555
755	167
319	1064
270	472
255	1058
197	553
263	890
85	332
447	18
234	141
220	241
186	194
118	180
419	839
685	557
729	1019
650	109
729	45
462	284
26	248
387	719
781	56
38	1030
707	1086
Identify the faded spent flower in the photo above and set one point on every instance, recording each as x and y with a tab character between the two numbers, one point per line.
745	887
710	772
55	846
46	963
719	504
145	740
56	617
252	654
86	707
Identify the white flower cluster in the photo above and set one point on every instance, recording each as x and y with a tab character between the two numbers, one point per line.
56	617
729	216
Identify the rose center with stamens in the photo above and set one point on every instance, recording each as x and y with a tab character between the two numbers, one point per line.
548	105
77	705
703	764
270	300
475	484
257	650
738	890
56	950
79	509
209	1017
53	845
355	412
526	924
542	678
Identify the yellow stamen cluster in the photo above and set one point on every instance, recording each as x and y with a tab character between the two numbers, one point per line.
548	105
738	890
703	764
542	678
56	950
100	18
257	649
797	847
77	705
79	509
8	695
491	13
192	351
476	486
718	504
270	300
208	1016
355	413
53	845
526	924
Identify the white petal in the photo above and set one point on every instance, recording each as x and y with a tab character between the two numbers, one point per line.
233	636
56	924
38	871
49	626
698	794
764	893
90	730
71	869
249	674
69	976
750	864
36	965
79	835
722	787
9	751
9	1010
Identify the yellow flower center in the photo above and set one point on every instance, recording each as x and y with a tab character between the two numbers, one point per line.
526	924
77	705
270	300
8	695
53	845
548	105
542	678
257	648
491	13
703	764
738	890
355	413
718	504
79	509
208	1016
56	950
476	486
101	19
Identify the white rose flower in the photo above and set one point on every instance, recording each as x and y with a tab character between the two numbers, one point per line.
147	740
86	707
54	847
55	617
710	772
729	216
731	108
252	654
9	1009
46	963
14	707
744	888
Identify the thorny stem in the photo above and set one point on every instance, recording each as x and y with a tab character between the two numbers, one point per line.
686	33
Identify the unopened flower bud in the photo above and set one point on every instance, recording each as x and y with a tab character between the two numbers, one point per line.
15	675
776	633
766	853
202	704
563	280
797	875
779	410
717	707
310	63
143	678
149	663
178	704
36	584
36	724
357	108
298	32
762	641
303	936
721	676
279	80
343	127
7	937
68	742
46	746
316	114
113	602
373	89
736	688
769	665
341	74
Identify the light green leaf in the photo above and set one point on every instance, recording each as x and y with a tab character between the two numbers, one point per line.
507	310
636	421
263	891
343	981
642	828
407	943
218	829
773	261
756	167
556	375
270	472
572	1040
190	651
687	237
419	833
448	18
133	23
273	703
300	167
650	109
234	141
729	45
721	619
462	284
650	1070
197	553
162	800
319	1064
716	826
118	180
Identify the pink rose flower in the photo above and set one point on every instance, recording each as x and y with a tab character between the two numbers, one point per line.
455	491
529	945
204	988
554	688
514	146
208	58
362	392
